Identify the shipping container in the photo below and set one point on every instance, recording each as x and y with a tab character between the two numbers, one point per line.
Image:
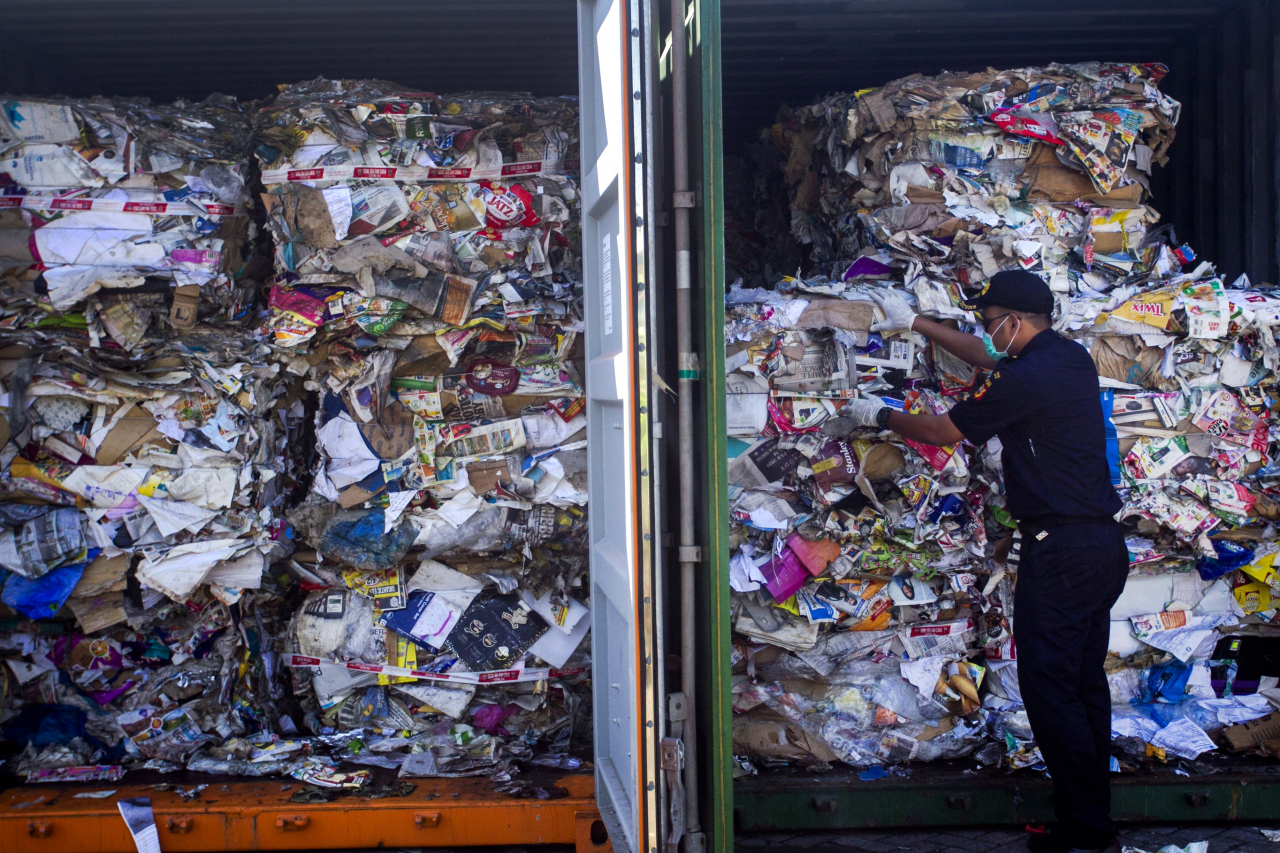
1221	192
651	636
600	50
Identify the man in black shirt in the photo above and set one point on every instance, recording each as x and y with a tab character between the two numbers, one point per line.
1042	402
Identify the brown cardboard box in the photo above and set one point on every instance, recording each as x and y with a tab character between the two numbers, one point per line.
924	195
354	495
130	433
1056	183
103	575
393	437
1245	737
424	355
485	475
185	307
99	612
1127	359
837	314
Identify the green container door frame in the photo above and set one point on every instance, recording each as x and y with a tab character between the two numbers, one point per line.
706	164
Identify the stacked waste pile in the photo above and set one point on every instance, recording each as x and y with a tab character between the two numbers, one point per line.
119	197
872	622
239	537
147	458
428	293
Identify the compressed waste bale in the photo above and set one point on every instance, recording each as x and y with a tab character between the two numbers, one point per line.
151	446
126	200
308	507
428	293
871	609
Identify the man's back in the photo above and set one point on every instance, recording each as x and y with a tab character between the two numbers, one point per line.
1046	409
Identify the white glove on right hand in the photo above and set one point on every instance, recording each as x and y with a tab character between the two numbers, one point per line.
863	411
898	315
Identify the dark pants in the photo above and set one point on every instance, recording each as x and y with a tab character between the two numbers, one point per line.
1067	582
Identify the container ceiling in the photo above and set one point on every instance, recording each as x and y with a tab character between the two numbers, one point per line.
796	51
166	49
775	51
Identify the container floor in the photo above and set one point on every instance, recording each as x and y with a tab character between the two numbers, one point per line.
1226	788
234	814
1222	838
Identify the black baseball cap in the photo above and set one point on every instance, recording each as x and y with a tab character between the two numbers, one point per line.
1017	290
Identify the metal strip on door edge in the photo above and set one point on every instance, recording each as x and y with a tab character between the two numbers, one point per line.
649	699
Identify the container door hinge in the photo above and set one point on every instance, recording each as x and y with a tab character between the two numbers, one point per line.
672	764
677	713
686	199
690	554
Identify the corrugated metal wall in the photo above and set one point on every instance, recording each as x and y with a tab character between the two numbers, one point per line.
1223	179
1222	187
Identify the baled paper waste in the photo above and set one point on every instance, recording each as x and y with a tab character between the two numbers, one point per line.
873	609
294	480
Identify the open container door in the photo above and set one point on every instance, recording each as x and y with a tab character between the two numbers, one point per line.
614	57
701	22
1220	190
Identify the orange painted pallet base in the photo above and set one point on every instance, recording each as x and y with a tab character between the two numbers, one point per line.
257	815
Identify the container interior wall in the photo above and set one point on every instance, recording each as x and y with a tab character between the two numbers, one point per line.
1220	188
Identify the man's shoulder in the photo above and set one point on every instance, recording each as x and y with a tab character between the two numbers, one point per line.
1058	353
1007	377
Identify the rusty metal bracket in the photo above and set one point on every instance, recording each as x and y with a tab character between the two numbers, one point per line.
292	823
39	828
427	820
672	764
179	825
677	713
